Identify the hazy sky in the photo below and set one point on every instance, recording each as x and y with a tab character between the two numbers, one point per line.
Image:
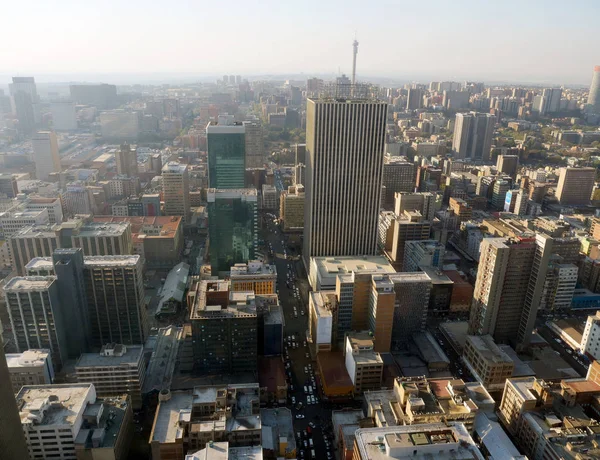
495	40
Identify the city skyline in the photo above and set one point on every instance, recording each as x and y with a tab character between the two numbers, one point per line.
451	48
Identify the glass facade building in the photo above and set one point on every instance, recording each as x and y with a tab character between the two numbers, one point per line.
226	156
232	227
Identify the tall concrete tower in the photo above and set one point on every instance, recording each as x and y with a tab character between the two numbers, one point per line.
355	52
594	96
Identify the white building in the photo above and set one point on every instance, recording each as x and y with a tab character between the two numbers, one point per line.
32	367
320	319
427	253
590	340
12	221
45	154
176	190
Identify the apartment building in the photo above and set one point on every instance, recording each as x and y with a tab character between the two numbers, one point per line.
487	362
363	363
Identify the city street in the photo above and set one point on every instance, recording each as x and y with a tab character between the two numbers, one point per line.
290	276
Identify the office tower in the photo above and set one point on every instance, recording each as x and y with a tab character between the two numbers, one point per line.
455	100
254	145
547	248
32	367
126	159
424	253
232	227
115	295
37	317
5	104
488	363
64	116
176	190
498	305
300	164
226	145
473	134
24	85
24	93
399	175
412	292
270	197
382	303
594	96
508	164
45	152
408	226
116	370
68	267
291	208
31	242
103	239
12	439
224	329
101	96
344	154
68	422
363	363
460	208
423	202
8	185
415	99
575	186
499	191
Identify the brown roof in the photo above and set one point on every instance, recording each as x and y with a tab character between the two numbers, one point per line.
271	373
333	370
169	224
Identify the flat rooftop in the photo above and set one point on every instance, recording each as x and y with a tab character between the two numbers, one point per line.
111	261
95	229
29	283
37	231
329	267
488	350
222	451
451	441
495	439
159	374
29	358
168	416
166	226
280	424
54	404
39	263
132	357
174	168
252	268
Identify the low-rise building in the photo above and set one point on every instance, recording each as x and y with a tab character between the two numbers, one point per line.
487	362
222	451
439	440
32	367
364	365
116	370
278	438
69	422
345	423
255	275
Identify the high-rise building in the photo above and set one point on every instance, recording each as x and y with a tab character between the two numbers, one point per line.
255	145
69	422
102	96
299	164
45	152
37	317
344	153
425	253
103	238
291	208
24	93
575	186
226	145
412	291
399	175
115	295
594	96
32	367
224	329
126	159
415	99
549	101
508	164
255	276
408	226
12	439
423	202
503	275
8	185
473	134
232	227
176	190
31	242
64	116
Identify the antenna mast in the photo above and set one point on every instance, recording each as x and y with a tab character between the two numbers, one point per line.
355	52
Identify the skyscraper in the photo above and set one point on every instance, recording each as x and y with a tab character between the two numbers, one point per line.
226	144
12	439
176	190
24	93
415	99
45	151
344	154
473	133
503	275
255	148
126	160
594	96
232	227
575	186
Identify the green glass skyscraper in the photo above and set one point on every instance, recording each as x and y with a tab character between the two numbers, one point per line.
226	143
232	227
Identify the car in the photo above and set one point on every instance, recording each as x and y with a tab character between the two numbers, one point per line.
299	416
307	355
298	435
305	443
304	434
293	400
310	442
312	424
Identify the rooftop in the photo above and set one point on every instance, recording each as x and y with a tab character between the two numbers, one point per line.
149	226
39	263
488	350
111	261
168	426
253	268
54	404
29	358
222	451
29	283
495	439
162	363
174	168
329	267
277	425
96	229
435	440
132	356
